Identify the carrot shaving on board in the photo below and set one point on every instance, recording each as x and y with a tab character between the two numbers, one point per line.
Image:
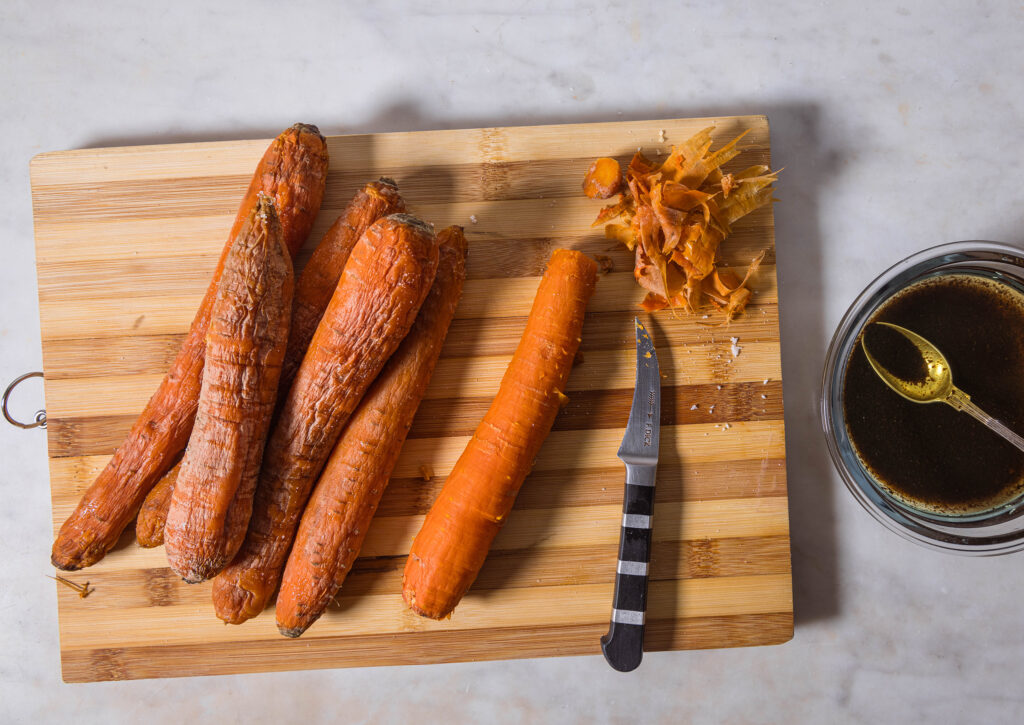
674	215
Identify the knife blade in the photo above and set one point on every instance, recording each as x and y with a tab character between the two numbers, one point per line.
624	643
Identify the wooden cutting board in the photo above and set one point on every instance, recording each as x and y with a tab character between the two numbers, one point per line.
126	240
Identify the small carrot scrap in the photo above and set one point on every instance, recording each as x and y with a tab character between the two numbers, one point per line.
451	546
149	526
603	179
342	505
385	281
605	264
320	276
212	498
426	471
83	590
293	170
675	214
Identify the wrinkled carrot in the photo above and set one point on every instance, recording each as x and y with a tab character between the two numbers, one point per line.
339	511
457	533
293	170
212	498
149	525
385	281
320	275
313	291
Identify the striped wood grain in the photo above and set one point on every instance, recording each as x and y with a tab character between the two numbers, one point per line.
125	242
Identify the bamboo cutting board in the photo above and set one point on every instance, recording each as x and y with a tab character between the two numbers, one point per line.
126	240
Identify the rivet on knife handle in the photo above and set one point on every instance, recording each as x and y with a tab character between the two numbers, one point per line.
624	643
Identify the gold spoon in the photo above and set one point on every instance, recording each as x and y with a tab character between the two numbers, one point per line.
937	385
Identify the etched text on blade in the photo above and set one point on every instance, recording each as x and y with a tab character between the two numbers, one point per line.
640	443
649	424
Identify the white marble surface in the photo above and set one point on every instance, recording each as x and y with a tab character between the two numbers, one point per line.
900	126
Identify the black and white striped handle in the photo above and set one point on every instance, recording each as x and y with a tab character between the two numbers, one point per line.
623	646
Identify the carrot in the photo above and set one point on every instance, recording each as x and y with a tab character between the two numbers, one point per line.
339	511
603	179
313	291
293	170
385	281
149	526
245	343
457	533
320	276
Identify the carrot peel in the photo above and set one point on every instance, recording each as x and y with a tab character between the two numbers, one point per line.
676	214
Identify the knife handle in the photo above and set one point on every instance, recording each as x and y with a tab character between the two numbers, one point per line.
623	646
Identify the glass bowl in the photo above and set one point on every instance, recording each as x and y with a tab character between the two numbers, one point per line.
996	531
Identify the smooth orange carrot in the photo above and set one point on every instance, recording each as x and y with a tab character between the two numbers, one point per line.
386	279
457	533
212	498
342	505
293	171
320	276
149	525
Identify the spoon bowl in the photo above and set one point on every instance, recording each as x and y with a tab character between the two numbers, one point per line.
937	383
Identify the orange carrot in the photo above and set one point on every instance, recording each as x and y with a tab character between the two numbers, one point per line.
149	526
313	291
451	546
386	279
603	179
320	275
342	505
293	170
245	344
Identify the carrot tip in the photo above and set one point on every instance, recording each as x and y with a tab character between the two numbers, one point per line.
292	632
65	565
410	600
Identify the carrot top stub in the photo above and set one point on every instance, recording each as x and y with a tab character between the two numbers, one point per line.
476	499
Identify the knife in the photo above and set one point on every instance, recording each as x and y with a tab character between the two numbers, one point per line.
623	646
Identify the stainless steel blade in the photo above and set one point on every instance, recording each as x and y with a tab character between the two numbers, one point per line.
643	431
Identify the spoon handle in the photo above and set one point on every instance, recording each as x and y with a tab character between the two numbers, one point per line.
962	402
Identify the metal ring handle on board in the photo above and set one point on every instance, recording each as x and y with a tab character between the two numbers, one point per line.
40	421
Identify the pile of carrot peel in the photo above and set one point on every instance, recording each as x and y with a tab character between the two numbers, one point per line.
675	214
